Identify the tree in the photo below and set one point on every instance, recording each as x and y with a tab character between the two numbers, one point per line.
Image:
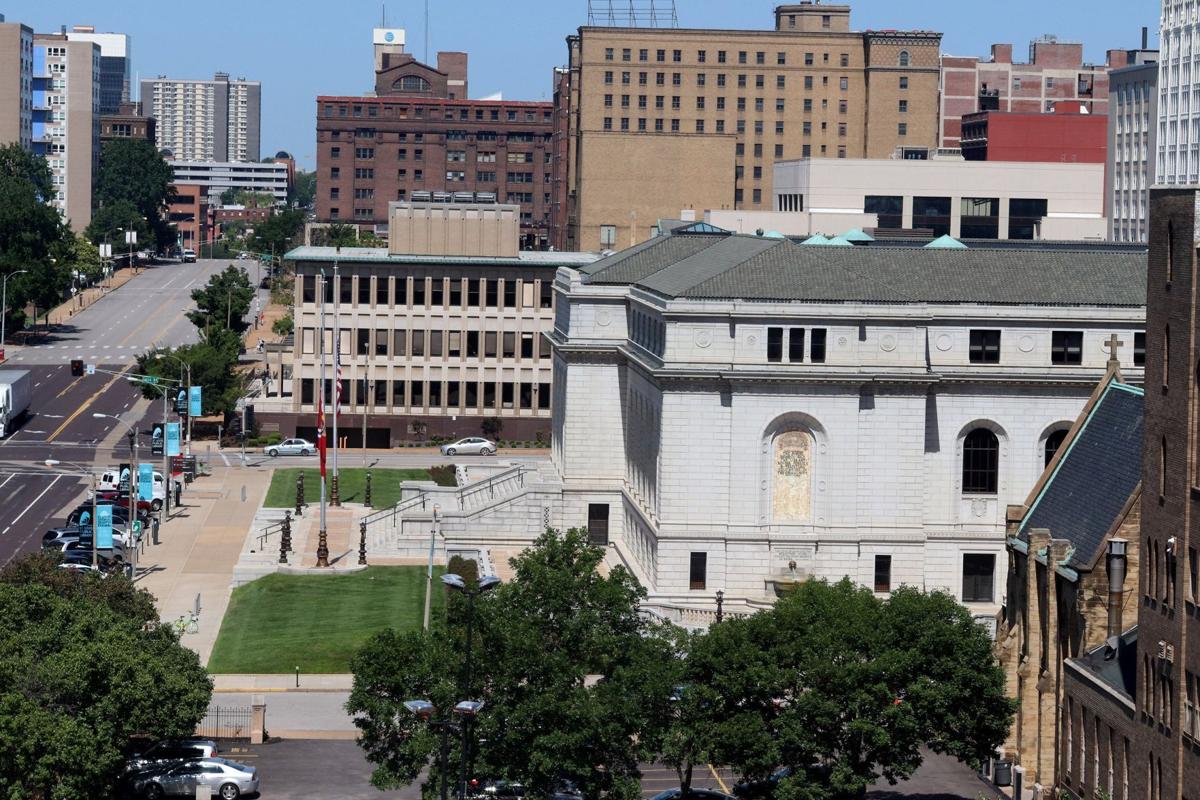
304	190
278	232
283	326
82	672
212	363
223	301
563	663
110	222
491	427
30	230
847	688
133	171
341	235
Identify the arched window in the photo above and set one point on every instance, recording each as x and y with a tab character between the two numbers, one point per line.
1053	442
791	490
981	462
412	83
904	58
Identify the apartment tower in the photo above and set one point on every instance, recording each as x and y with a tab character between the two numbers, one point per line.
16	84
115	65
217	120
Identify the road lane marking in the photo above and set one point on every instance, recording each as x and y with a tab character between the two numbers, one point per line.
70	386
720	782
87	403
31	505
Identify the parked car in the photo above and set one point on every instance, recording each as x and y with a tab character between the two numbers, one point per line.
226	779
171	751
764	788
110	483
291	447
82	559
472	445
500	790
243	256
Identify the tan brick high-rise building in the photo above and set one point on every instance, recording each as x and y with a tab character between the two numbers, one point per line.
660	120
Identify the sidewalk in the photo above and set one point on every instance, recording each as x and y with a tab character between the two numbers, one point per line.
198	548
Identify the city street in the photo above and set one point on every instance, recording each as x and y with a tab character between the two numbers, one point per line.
111	333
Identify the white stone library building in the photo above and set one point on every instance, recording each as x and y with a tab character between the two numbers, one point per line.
737	413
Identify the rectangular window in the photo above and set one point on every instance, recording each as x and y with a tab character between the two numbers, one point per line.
510	293
453	394
903	81
489	395
510	344
493	293
381	343
418	394
382	293
456	293
309	290
816	349
437	287
435	394
1139	349
473	293
1066	347
506	394
397	394
489	344
344	289
435	344
698	571
985	347
883	573
978	580
418	344
364	290
525	396
418	292
543	402
399	343
796	345
774	345
526	345
472	395
472	344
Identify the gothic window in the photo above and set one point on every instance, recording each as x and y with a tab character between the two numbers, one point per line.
904	58
981	462
1053	442
792	461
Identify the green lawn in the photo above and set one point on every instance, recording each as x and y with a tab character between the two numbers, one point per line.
316	622
352	481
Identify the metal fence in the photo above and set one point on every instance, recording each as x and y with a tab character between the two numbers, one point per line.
225	722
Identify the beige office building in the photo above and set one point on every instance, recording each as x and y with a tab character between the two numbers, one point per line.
16	84
944	195
66	126
663	120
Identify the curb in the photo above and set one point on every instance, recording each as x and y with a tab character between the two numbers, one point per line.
276	690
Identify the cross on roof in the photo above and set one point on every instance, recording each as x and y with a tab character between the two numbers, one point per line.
1113	345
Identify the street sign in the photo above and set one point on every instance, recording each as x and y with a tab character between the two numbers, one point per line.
104	531
172	439
194	402
90	369
150	379
145	481
156	439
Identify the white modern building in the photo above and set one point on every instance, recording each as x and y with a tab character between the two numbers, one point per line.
217	176
116	64
1178	146
216	120
943	194
1132	146
66	121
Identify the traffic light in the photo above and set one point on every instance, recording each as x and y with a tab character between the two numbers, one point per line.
76	367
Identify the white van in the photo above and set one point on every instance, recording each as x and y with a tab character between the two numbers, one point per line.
110	481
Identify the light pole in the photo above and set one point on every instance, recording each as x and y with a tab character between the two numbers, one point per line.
187	449
50	462
369	385
166	462
131	240
4	303
323	533
434	529
484	584
425	711
105	262
133	471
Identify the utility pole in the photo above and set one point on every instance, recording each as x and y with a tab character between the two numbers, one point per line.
433	532
336	499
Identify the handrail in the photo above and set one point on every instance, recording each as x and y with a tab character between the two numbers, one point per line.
423	496
273	528
403	505
490	483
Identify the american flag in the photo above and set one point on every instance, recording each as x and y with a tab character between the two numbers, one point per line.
337	365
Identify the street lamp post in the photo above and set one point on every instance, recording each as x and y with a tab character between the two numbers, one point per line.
484	584
50	462
133	467
425	711
187	449
4	303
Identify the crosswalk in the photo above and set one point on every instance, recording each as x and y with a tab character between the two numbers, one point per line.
65	352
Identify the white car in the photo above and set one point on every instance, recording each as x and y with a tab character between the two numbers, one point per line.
472	445
110	481
291	447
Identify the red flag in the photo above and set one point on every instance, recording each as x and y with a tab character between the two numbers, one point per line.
321	431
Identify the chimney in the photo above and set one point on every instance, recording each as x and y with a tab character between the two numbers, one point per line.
1145	37
1116	584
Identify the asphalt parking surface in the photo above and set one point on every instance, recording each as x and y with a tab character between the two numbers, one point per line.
324	768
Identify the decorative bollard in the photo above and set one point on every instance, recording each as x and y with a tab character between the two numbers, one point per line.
362	543
285	538
367	498
300	494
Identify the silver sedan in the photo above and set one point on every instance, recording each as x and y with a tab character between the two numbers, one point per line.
227	779
472	445
291	447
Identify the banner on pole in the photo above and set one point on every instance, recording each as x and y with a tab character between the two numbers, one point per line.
104	531
194	402
145	481
172	438
181	402
156	439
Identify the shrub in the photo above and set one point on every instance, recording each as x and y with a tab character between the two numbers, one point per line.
443	475
465	568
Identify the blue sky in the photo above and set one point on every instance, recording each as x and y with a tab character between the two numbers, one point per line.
302	48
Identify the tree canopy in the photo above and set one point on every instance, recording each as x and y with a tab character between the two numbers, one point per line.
223	301
133	171
278	233
304	189
110	221
84	668
837	685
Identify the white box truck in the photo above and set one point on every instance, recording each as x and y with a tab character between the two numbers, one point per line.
16	389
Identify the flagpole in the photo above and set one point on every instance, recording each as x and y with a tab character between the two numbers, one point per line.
336	499
323	538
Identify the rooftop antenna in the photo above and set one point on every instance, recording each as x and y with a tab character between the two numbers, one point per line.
383	15
633	13
426	31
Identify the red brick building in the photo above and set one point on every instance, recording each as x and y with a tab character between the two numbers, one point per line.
128	123
189	213
1064	136
420	139
1055	72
